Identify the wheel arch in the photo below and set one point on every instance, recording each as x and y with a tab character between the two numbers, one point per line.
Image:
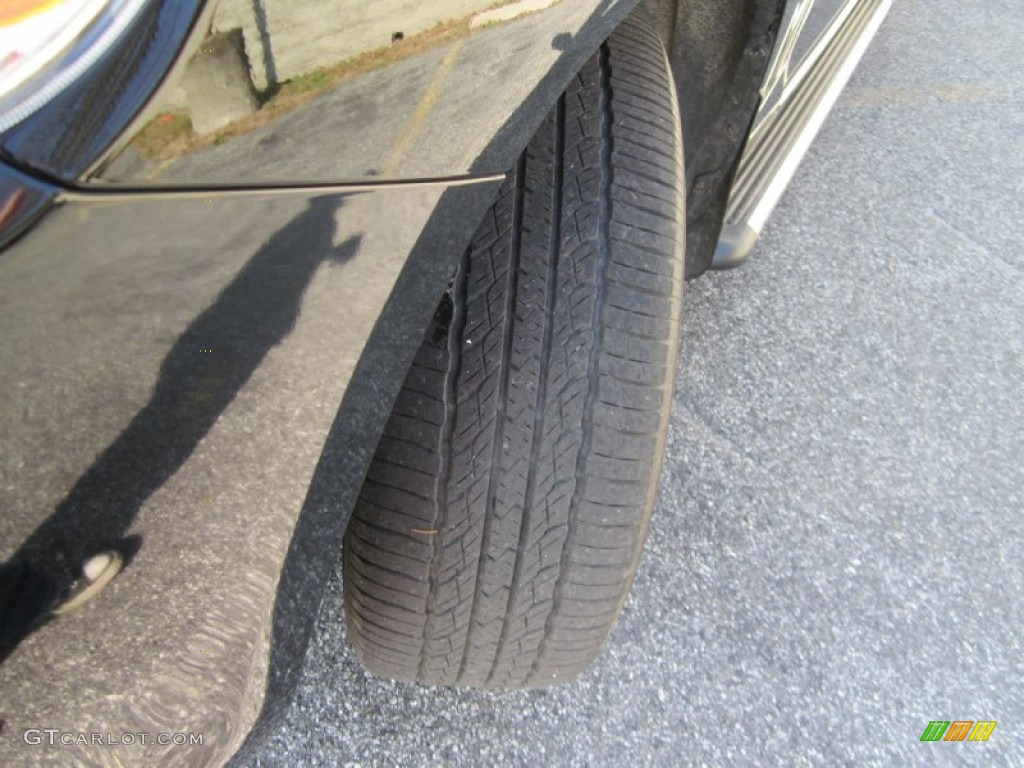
719	51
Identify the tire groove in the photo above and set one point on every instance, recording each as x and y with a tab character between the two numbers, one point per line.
445	449
603	257
554	248
511	292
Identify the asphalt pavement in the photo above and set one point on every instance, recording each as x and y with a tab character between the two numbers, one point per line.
837	556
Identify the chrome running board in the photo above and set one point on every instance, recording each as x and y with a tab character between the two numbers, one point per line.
780	138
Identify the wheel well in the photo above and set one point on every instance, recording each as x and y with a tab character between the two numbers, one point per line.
718	50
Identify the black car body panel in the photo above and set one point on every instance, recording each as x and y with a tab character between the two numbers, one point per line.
205	330
196	370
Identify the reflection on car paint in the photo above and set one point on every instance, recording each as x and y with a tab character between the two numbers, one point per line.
365	108
123	433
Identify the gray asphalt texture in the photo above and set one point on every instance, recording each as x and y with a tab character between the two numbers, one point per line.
837	556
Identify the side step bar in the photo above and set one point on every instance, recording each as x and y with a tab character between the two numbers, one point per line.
779	141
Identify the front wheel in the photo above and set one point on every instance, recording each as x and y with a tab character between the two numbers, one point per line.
501	522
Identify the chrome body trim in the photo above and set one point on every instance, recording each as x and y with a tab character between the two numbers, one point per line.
782	136
793	25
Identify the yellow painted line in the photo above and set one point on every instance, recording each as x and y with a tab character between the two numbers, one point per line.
419	117
950	93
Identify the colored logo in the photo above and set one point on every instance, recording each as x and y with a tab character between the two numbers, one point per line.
958	730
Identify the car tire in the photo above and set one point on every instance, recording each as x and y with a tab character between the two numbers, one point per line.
502	520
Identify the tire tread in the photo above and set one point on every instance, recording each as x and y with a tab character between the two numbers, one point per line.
503	518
